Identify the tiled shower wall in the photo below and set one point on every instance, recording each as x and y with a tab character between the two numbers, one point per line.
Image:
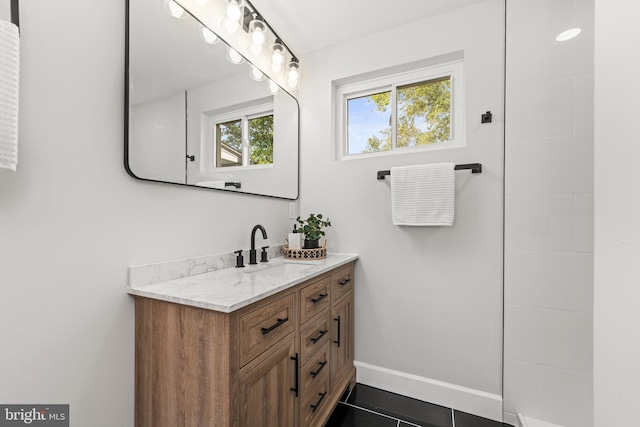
548	362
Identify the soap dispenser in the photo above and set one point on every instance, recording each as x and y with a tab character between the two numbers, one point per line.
295	241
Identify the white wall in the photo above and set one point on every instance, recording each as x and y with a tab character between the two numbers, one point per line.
617	213
428	299
157	147
72	220
548	368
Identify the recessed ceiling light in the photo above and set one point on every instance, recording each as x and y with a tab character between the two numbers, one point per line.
568	35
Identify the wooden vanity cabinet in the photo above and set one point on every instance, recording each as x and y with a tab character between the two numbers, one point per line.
274	363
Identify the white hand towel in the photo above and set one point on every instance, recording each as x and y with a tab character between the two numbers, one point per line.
9	79
423	194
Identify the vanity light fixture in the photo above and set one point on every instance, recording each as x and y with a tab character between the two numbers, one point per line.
277	56
233	56
568	35
207	35
233	16
256	74
174	9
293	75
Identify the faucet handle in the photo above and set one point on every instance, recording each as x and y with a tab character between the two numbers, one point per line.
239	259
263	255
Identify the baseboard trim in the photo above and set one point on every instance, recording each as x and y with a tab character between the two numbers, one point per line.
464	399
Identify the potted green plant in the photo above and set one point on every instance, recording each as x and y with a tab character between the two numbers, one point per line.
312	230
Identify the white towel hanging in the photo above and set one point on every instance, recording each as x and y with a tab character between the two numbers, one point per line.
9	85
423	195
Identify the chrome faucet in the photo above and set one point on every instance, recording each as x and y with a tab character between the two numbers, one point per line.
252	252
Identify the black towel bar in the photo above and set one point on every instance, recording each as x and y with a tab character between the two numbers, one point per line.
475	168
15	13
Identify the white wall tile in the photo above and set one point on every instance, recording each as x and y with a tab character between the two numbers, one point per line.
557	280
540	222
556	395
540	110
584	222
550	337
554	165
583	101
533	53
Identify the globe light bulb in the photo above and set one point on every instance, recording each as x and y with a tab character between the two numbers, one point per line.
257	36
233	10
277	55
207	35
174	9
233	56
273	88
256	74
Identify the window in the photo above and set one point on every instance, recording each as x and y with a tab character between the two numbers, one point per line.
244	138
420	109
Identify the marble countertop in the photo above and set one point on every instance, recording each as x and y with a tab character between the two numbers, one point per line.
229	289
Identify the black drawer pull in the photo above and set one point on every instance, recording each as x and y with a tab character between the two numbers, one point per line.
337	319
314	407
315	340
265	331
315	373
320	298
297	360
344	282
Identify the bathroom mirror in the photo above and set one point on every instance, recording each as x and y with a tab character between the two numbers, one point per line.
194	118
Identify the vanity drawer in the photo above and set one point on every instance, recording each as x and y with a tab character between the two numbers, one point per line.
266	325
341	282
314	298
314	402
313	335
315	369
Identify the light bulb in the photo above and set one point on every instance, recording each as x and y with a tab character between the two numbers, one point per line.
233	56
257	37
273	88
277	56
207	35
256	74
174	9
293	73
233	10
568	35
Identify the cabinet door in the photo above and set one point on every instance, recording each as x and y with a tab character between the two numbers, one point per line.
342	337
268	388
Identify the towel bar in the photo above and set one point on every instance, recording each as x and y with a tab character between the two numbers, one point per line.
15	13
475	168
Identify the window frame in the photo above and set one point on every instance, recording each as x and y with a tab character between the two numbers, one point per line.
390	82
244	115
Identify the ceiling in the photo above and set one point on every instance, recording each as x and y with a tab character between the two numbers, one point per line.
308	25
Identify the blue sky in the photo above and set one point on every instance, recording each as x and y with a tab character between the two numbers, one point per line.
364	120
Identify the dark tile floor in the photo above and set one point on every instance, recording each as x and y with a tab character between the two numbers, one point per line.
366	406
